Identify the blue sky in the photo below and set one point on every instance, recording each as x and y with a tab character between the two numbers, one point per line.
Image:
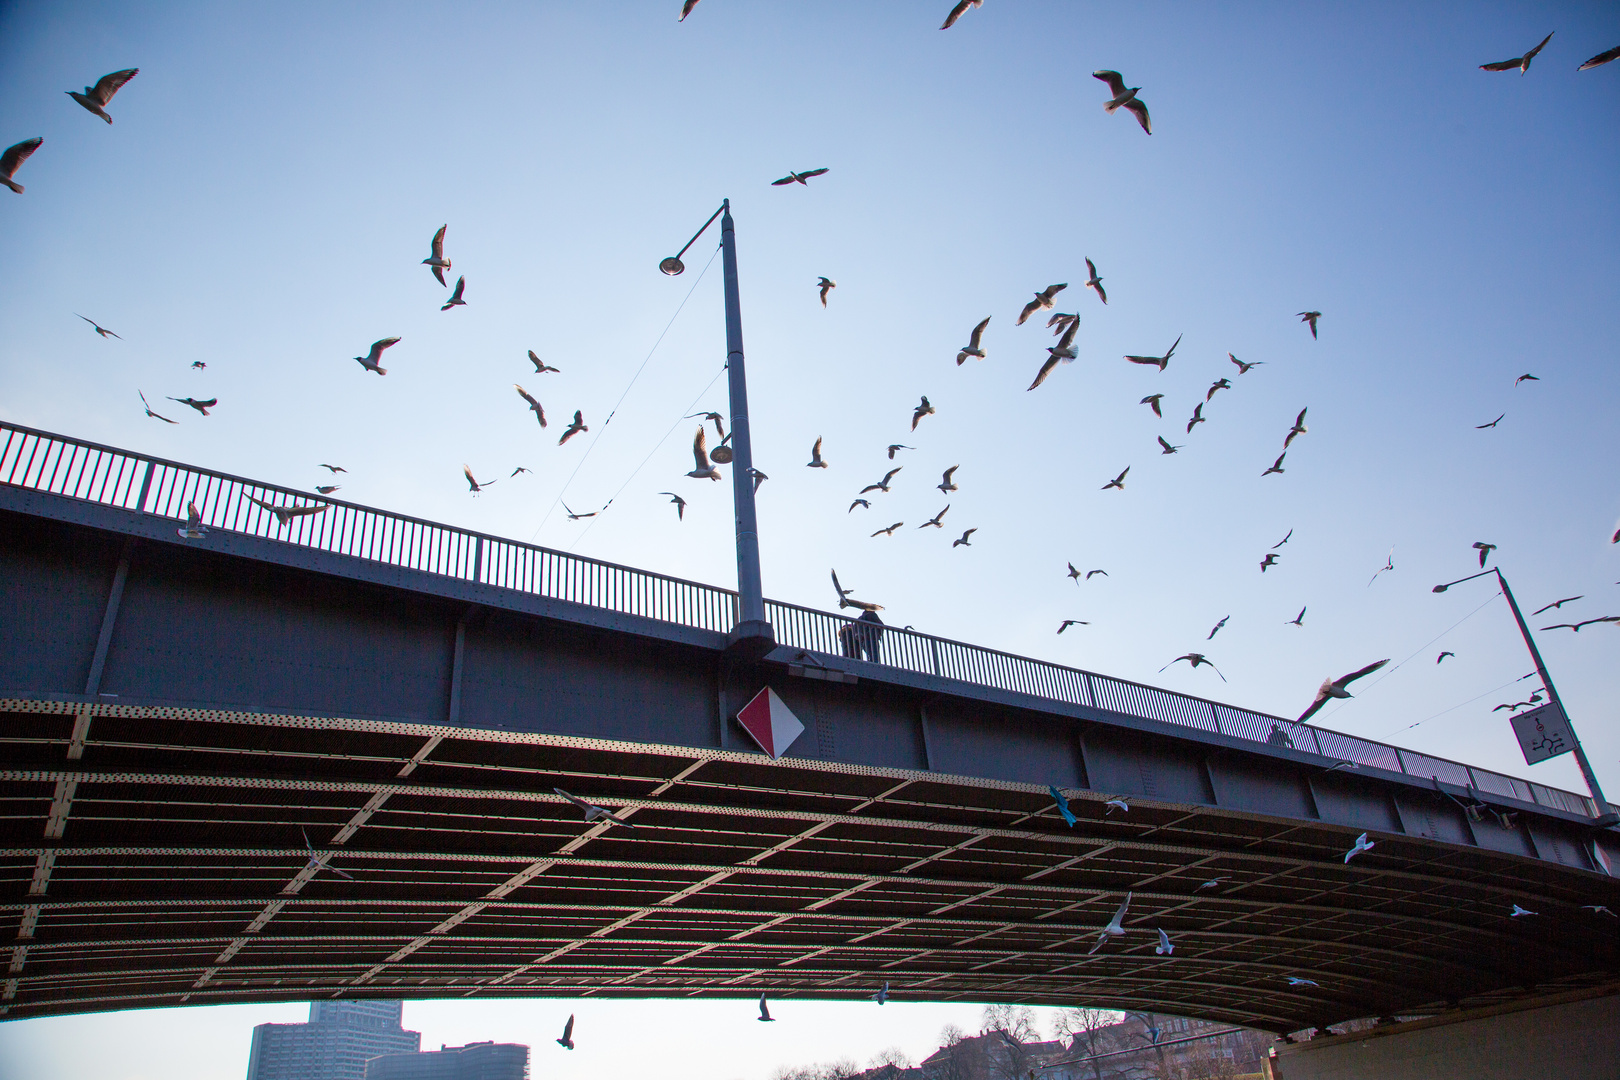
273	177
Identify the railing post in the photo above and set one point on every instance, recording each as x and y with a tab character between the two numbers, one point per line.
478	559
146	486
1216	716
933	645
1400	760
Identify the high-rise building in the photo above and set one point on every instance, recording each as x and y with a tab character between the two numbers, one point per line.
475	1061
339	1039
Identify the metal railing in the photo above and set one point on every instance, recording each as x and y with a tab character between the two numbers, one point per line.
41	461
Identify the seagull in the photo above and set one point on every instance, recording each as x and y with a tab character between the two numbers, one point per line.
466	470
962	541
1443	655
534	406
1072	622
1114	927
1310	317
882	995
193	529
1526	377
1577	626
1519	912
1063	352
1276	466
540	368
1217	629
1212	883
575	426
1599	909
1095	282
1093	573
455	297
436	259
826	285
1117	804
958	11
327	489
1220	384
1298	429
1164	948
1195	658
890	530
104	332
1042	301
284	514
719	422
369	361
863	503
815	461
1197	417
765	1016
897	446
843	593
974	347
1060	322
1269	561
1389	564
1559	603
1160	362
1152	402
1062	801
315	862
1243	369
680	504
333	469
576	517
200	406
567	1039
1074	573
759	478
1520	62
13	158
1335	688
1118	481
519	469
1283	541
1168	449
595	813
1297	620
703	469
798	177
883	484
1294	980
97	98
946	484
1124	96
152	414
1362	844
1601	58
1493	423
1484	550
196	365
922	410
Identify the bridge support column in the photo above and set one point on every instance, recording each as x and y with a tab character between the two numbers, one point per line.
98	661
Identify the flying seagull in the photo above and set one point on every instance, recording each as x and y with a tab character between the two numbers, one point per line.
1196	658
1093	573
1484	550
284	514
594	813
1558	603
103	331
1196	418
843	593
974	347
1062	352
1588	622
897	446
1072	622
703	469
1074	573
333	469
1520	62
1160	362
576	517
958	11
193	529
1294	980
1095	282
534	406
327	489
567	1039
1212	883
152	414
1601	58
1599	909
200	406
1362	844
1519	912
1389	564
466	470
1310	317
1297	620
1060	322
369	361
540	368
719	421
1152	402
883	484
1118	481
1062	801
1168	449
962	541
865	504
815	461
680	504
575	426
316	862
1443	655
946	484
798	177
455	297
1276	466
1526	377
764	1013
1042	301
1124	96
96	98
922	410
1243	369
13	158
882	995
436	259
1298	429
890	530
519	469
1117	803
1268	562
1335	688
1217	629
1114	927
1164	948
1493	423
1283	541
196	365
758	477
826	285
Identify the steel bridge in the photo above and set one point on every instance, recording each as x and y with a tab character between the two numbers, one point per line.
315	756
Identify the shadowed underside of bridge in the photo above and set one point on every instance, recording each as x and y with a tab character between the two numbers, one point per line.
178	717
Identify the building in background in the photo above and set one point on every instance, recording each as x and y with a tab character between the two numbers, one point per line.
475	1061
339	1039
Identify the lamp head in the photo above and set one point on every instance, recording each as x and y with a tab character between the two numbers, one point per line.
1440	588
672	266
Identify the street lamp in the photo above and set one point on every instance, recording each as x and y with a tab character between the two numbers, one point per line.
1604	815
752	634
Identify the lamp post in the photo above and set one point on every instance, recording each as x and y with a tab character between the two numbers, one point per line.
752	633
1603	813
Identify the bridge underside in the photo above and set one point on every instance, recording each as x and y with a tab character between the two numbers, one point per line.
154	849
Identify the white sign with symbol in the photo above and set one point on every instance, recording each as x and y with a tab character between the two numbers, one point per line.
1543	733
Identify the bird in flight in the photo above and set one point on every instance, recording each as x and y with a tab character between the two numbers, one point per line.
1335	688
883	484
1152	402
436	260
13	158
1124	97
284	514
567	1039
1195	659
1362	844
686	9
534	406
1072	622
1493	423
1212	883
1298	429
1197	417
1062	801
104	332
946	484
1160	362
369	361
1577	626
1297	620
703	469
1243	369
575	426
1118	803
1601	58
200	406
1167	448
958	11
316	863
1164	948
974	347
962	541
519	469
1520	62
1062	352
1389	564
333	469
1095	282
327	489
1074	573
680	504
826	285
577	517
843	593
1118	481
764	1013
922	410
897	446
882	995
1093	573
798	177
1310	317
1599	909
1558	604
815	461
594	813
1061	321
1526	377
193	529
1115	927
196	365
96	98
1484	550
1295	980
758	478
1220	384
1443	655
455	297
865	504
890	530
1519	912
466	470
1268	562
1276	466
152	414
1042	301
1217	629
1283	541
719	424
540	368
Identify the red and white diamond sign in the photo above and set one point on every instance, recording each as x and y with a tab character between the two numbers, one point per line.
770	723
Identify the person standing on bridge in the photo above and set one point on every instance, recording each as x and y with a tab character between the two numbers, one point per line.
859	641
1279	737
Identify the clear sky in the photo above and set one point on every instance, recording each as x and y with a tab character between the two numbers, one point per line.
275	173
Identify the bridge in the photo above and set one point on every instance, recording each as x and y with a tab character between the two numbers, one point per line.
317	756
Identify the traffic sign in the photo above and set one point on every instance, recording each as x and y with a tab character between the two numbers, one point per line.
770	723
1543	733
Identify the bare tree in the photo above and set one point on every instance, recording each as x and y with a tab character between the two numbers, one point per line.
949	1062
892	1055
1083	1028
1010	1027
